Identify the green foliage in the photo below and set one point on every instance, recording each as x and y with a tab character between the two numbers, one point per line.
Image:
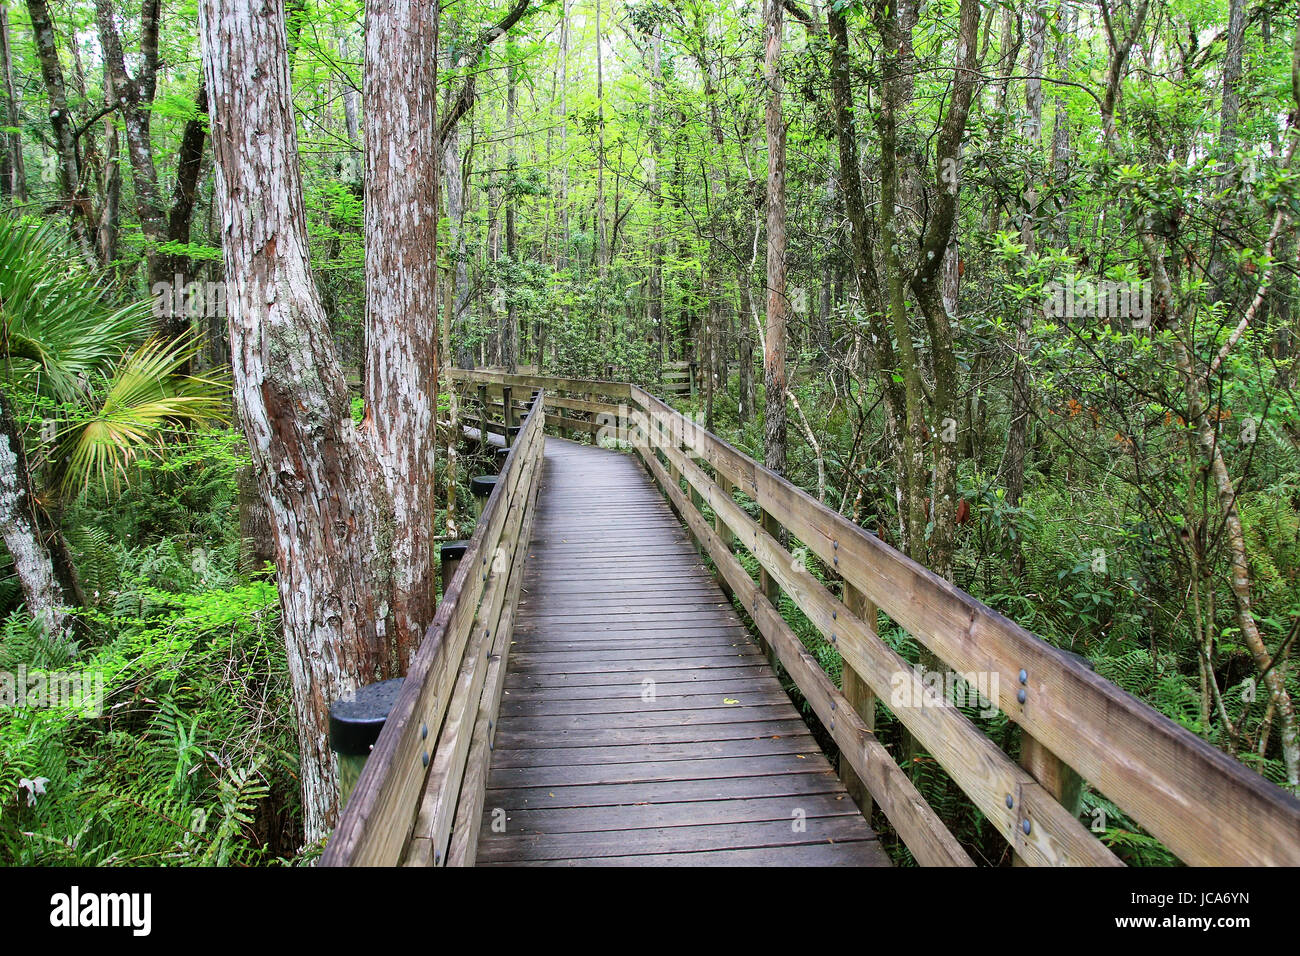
193	758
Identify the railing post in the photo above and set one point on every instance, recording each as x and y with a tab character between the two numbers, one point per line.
725	488
507	414
481	487
1054	776
768	585
355	724
482	408
1052	773
449	556
696	498
766	582
859	695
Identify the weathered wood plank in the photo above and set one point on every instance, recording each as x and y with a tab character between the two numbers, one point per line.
683	839
856	853
694	813
545	739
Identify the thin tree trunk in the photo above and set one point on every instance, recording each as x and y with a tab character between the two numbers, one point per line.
774	430
134	98
21	531
602	247
1013	461
17	169
510	320
866	282
71	183
1065	20
926	286
1230	107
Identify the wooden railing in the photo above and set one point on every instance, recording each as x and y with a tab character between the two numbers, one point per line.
419	799
1204	806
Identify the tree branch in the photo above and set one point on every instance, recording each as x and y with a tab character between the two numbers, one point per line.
464	99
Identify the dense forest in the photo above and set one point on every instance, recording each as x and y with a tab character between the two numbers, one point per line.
1011	285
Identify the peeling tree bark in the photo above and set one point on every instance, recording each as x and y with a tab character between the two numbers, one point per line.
401	221
352	555
20	529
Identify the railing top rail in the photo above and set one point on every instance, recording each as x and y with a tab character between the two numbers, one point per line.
347	844
1207	807
491	376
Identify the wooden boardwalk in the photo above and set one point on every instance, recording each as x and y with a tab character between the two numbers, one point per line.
639	723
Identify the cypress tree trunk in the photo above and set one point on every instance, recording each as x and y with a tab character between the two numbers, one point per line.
20	529
350	509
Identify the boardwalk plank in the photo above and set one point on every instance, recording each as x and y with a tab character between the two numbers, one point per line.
863	853
683	839
713	768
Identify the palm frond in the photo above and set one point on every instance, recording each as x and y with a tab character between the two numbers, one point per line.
145	398
58	324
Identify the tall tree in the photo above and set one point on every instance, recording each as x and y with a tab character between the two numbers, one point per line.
15	183
72	178
774	428
133	96
1013	461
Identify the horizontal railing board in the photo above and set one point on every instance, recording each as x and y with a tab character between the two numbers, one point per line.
584	385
